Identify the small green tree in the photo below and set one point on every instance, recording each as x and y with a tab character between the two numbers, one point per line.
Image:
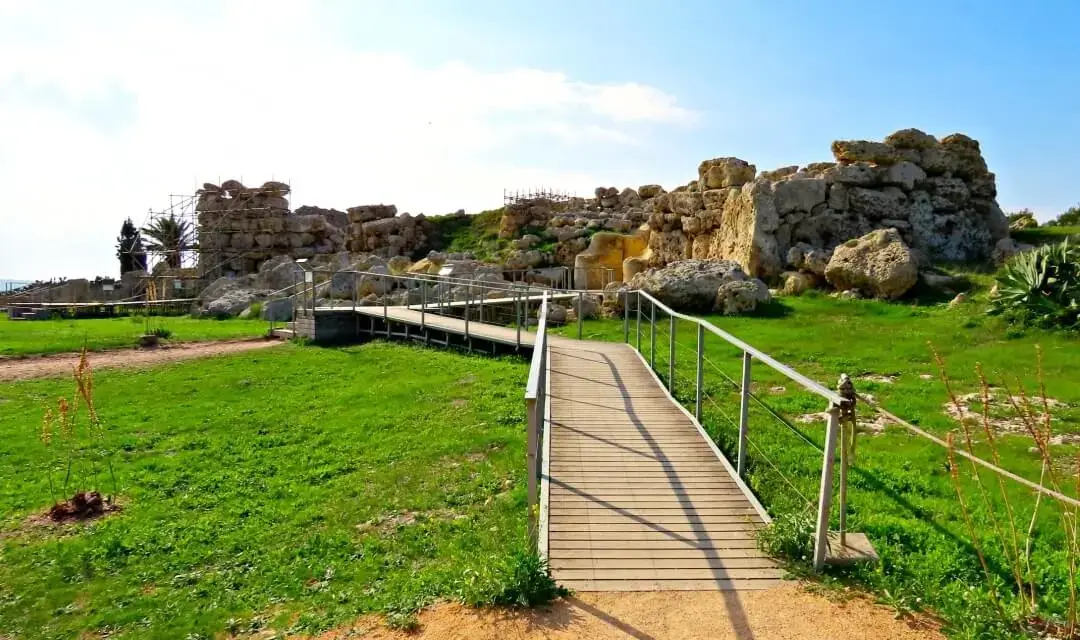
1071	218
129	248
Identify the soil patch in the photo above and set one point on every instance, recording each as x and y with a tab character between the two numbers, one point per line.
63	363
789	611
84	505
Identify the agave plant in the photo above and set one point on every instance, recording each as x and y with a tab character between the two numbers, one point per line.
1041	286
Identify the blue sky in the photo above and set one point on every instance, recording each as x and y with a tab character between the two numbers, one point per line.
436	105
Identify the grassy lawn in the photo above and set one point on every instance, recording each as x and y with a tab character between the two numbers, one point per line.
293	488
27	337
1044	235
900	491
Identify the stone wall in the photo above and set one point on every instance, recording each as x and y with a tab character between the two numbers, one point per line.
938	194
378	229
240	227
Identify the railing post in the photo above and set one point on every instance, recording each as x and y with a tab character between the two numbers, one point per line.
385	314
423	305
744	411
671	356
652	335
354	291
626	318
637	305
580	312
480	315
846	429
467	338
821	539
700	371
517	315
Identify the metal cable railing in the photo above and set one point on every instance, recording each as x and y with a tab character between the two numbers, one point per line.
658	333
538	411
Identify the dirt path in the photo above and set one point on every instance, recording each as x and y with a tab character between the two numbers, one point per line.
63	363
787	612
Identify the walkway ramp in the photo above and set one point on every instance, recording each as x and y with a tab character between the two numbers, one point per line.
638	499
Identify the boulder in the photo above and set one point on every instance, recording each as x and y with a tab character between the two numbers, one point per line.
720	173
556	313
800	194
278	273
589	307
278	310
804	257
797	282
1007	248
689	285
231	302
911	139
742	296
848	151
398	265
647	191
615	295
878	264
375	284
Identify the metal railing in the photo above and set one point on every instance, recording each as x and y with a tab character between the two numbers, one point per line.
478	299
659	325
536	407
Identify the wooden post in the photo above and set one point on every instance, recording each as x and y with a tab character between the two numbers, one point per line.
821	534
744	411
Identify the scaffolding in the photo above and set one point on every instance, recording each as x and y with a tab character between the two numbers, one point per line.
196	257
534	194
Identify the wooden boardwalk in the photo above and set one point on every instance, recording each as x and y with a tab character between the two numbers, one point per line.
635	496
638	499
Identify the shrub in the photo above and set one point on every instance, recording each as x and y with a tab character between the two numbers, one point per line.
1041	287
520	580
789	536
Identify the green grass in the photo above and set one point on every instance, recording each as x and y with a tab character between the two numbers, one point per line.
1045	235
27	337
477	233
293	488
900	492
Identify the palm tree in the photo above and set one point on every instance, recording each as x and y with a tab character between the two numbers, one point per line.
171	237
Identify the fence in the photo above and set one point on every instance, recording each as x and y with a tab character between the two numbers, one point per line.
538	410
659	326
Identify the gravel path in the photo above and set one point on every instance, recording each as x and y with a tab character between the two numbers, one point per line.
63	363
790	611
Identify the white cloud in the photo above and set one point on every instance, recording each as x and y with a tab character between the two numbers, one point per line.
106	109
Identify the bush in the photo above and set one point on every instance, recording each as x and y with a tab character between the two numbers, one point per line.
520	580
789	536
1041	287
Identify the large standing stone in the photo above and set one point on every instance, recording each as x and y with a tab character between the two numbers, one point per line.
877	264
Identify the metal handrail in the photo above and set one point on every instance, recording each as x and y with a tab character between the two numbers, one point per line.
787	371
749	354
536	408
